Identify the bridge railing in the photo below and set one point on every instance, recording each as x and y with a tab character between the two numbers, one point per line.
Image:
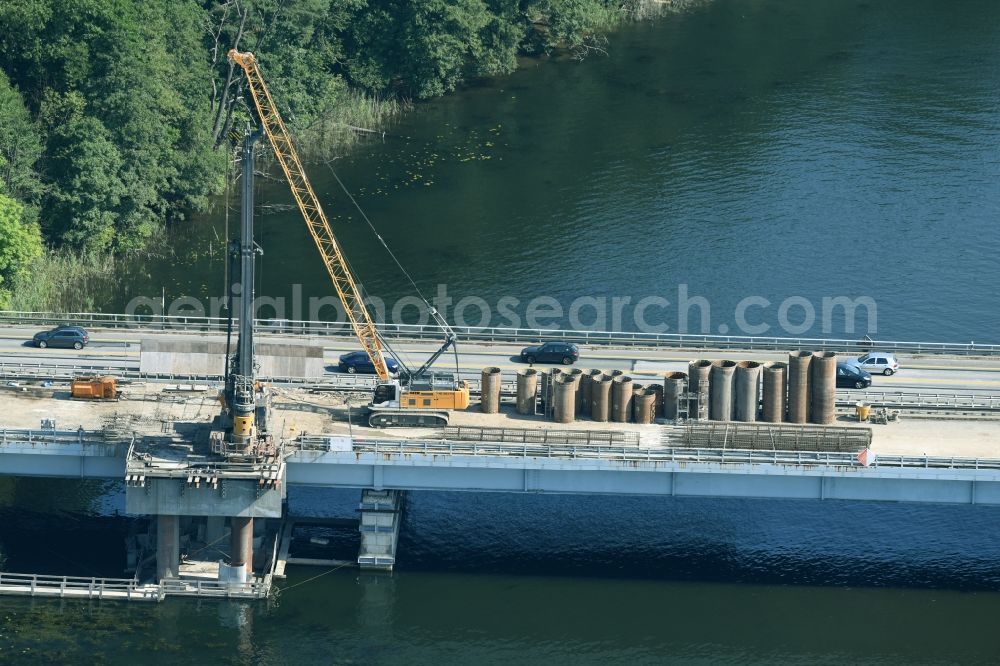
42	437
78	586
684	455
185	323
257	589
925	400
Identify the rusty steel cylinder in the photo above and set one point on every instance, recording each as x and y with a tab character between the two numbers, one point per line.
637	390
577	375
774	391
720	404
823	388
699	373
621	398
747	390
489	398
586	389
600	398
658	404
645	405
798	386
564	410
674	384
549	380
241	542
527	387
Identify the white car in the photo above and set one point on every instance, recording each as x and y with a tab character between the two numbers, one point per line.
879	363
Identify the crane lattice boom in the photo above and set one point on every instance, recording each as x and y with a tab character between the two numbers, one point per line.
319	227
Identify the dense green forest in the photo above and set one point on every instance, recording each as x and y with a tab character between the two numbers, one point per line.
114	114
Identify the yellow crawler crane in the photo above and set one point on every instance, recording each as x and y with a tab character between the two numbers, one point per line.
417	398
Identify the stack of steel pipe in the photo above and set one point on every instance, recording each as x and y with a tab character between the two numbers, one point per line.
720	404
798	386
674	384
621	398
774	391
490	391
699	373
645	405
747	390
600	398
527	387
823	388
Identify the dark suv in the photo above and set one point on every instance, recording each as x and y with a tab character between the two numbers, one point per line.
62	336
552	352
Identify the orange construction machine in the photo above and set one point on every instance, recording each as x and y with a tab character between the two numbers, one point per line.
95	388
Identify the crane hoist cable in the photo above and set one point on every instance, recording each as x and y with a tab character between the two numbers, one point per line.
416	288
377	234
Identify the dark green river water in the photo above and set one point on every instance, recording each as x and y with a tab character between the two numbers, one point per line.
772	149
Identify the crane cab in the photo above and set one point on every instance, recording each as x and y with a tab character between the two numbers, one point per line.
387	395
423	402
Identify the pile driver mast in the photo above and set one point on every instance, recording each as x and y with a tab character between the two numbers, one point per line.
245	433
427	398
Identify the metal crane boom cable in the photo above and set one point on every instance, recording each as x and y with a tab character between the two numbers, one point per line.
438	318
377	234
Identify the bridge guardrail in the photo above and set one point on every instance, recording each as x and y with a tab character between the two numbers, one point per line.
79	586
184	323
940	400
213	588
695	455
943	400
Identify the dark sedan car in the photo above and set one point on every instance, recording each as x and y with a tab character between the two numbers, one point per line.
552	352
852	376
69	337
359	362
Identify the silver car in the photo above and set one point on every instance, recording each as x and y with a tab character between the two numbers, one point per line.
879	363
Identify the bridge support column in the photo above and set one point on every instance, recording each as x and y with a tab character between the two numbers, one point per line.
241	544
168	546
381	513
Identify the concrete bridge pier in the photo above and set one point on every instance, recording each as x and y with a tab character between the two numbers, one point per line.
381	513
168	546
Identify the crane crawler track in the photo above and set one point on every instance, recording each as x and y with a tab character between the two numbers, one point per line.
386	418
